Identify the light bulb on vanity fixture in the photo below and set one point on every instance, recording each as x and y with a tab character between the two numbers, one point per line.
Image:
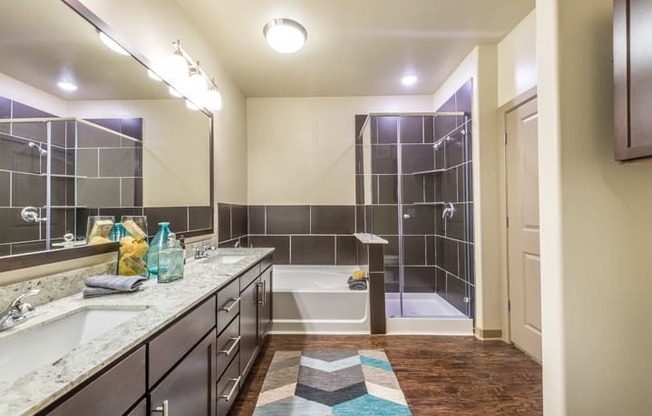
285	35
111	44
200	91
178	64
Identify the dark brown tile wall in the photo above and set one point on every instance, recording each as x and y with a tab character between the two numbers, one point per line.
232	224
438	254
306	234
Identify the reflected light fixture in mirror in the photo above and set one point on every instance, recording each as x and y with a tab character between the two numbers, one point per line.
285	35
111	44
409	80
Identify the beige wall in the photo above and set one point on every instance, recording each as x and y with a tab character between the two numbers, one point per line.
23	93
480	65
150	27
517	60
595	225
176	162
302	150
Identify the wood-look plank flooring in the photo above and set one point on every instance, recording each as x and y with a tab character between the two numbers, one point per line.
458	376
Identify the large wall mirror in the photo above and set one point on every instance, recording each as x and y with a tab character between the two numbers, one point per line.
114	142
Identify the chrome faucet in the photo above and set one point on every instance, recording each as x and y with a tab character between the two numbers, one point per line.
17	312
200	253
237	244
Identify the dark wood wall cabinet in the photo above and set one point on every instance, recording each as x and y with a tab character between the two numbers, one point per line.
195	366
632	79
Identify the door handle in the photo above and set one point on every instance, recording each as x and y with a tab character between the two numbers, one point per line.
164	410
236	341
234	301
264	292
260	298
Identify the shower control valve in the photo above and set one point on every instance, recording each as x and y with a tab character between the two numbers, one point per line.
30	214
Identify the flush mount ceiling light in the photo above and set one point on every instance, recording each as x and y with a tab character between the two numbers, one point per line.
67	86
285	35
409	80
113	45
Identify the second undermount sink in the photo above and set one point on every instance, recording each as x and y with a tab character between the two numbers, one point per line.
30	348
224	259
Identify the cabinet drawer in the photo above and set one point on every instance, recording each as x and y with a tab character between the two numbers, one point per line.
228	345
228	387
140	410
168	348
249	276
113	393
228	304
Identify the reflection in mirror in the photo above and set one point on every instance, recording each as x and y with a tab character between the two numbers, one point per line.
84	131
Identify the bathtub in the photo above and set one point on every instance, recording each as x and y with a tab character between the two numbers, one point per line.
317	300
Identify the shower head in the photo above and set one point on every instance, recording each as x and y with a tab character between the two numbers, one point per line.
41	150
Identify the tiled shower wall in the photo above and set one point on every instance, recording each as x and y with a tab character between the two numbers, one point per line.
109	175
437	254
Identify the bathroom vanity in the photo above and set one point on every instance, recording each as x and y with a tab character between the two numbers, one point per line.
185	351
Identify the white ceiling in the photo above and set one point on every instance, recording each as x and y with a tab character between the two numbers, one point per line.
45	41
355	47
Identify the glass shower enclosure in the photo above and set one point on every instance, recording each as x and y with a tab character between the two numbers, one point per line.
414	187
59	171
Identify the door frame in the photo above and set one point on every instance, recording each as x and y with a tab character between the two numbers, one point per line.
511	105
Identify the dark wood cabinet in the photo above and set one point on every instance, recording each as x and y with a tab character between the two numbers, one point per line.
249	326
632	79
189	389
111	394
265	305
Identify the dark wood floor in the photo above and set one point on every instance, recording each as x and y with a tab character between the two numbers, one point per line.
458	376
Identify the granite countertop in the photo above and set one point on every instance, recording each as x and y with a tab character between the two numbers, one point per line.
160	304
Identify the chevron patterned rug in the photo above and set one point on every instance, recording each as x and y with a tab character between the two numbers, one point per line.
337	383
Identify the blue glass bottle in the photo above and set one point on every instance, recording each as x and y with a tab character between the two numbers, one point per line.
157	244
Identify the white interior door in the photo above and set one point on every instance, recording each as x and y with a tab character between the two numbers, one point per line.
524	256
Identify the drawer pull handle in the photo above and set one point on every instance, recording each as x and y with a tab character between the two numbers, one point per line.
234	301
236	341
236	382
164	410
264	292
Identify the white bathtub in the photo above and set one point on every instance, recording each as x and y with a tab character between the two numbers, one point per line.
317	300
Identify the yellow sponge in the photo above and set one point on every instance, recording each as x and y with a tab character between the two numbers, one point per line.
357	275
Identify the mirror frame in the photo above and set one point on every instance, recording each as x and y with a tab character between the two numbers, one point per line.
20	261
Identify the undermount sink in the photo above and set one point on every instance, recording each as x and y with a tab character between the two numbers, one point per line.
224	259
31	348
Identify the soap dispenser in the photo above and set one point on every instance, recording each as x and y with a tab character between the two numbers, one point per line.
170	261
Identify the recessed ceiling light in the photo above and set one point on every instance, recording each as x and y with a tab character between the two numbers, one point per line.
285	35
113	45
409	80
67	86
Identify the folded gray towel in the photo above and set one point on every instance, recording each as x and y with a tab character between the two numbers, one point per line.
360	284
111	284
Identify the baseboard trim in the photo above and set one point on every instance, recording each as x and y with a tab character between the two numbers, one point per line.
487	334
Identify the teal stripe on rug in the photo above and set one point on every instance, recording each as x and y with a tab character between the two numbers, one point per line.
368	405
383	365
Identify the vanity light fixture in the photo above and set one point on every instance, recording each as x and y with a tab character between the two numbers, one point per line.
67	86
178	64
111	44
285	35
186	78
409	80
